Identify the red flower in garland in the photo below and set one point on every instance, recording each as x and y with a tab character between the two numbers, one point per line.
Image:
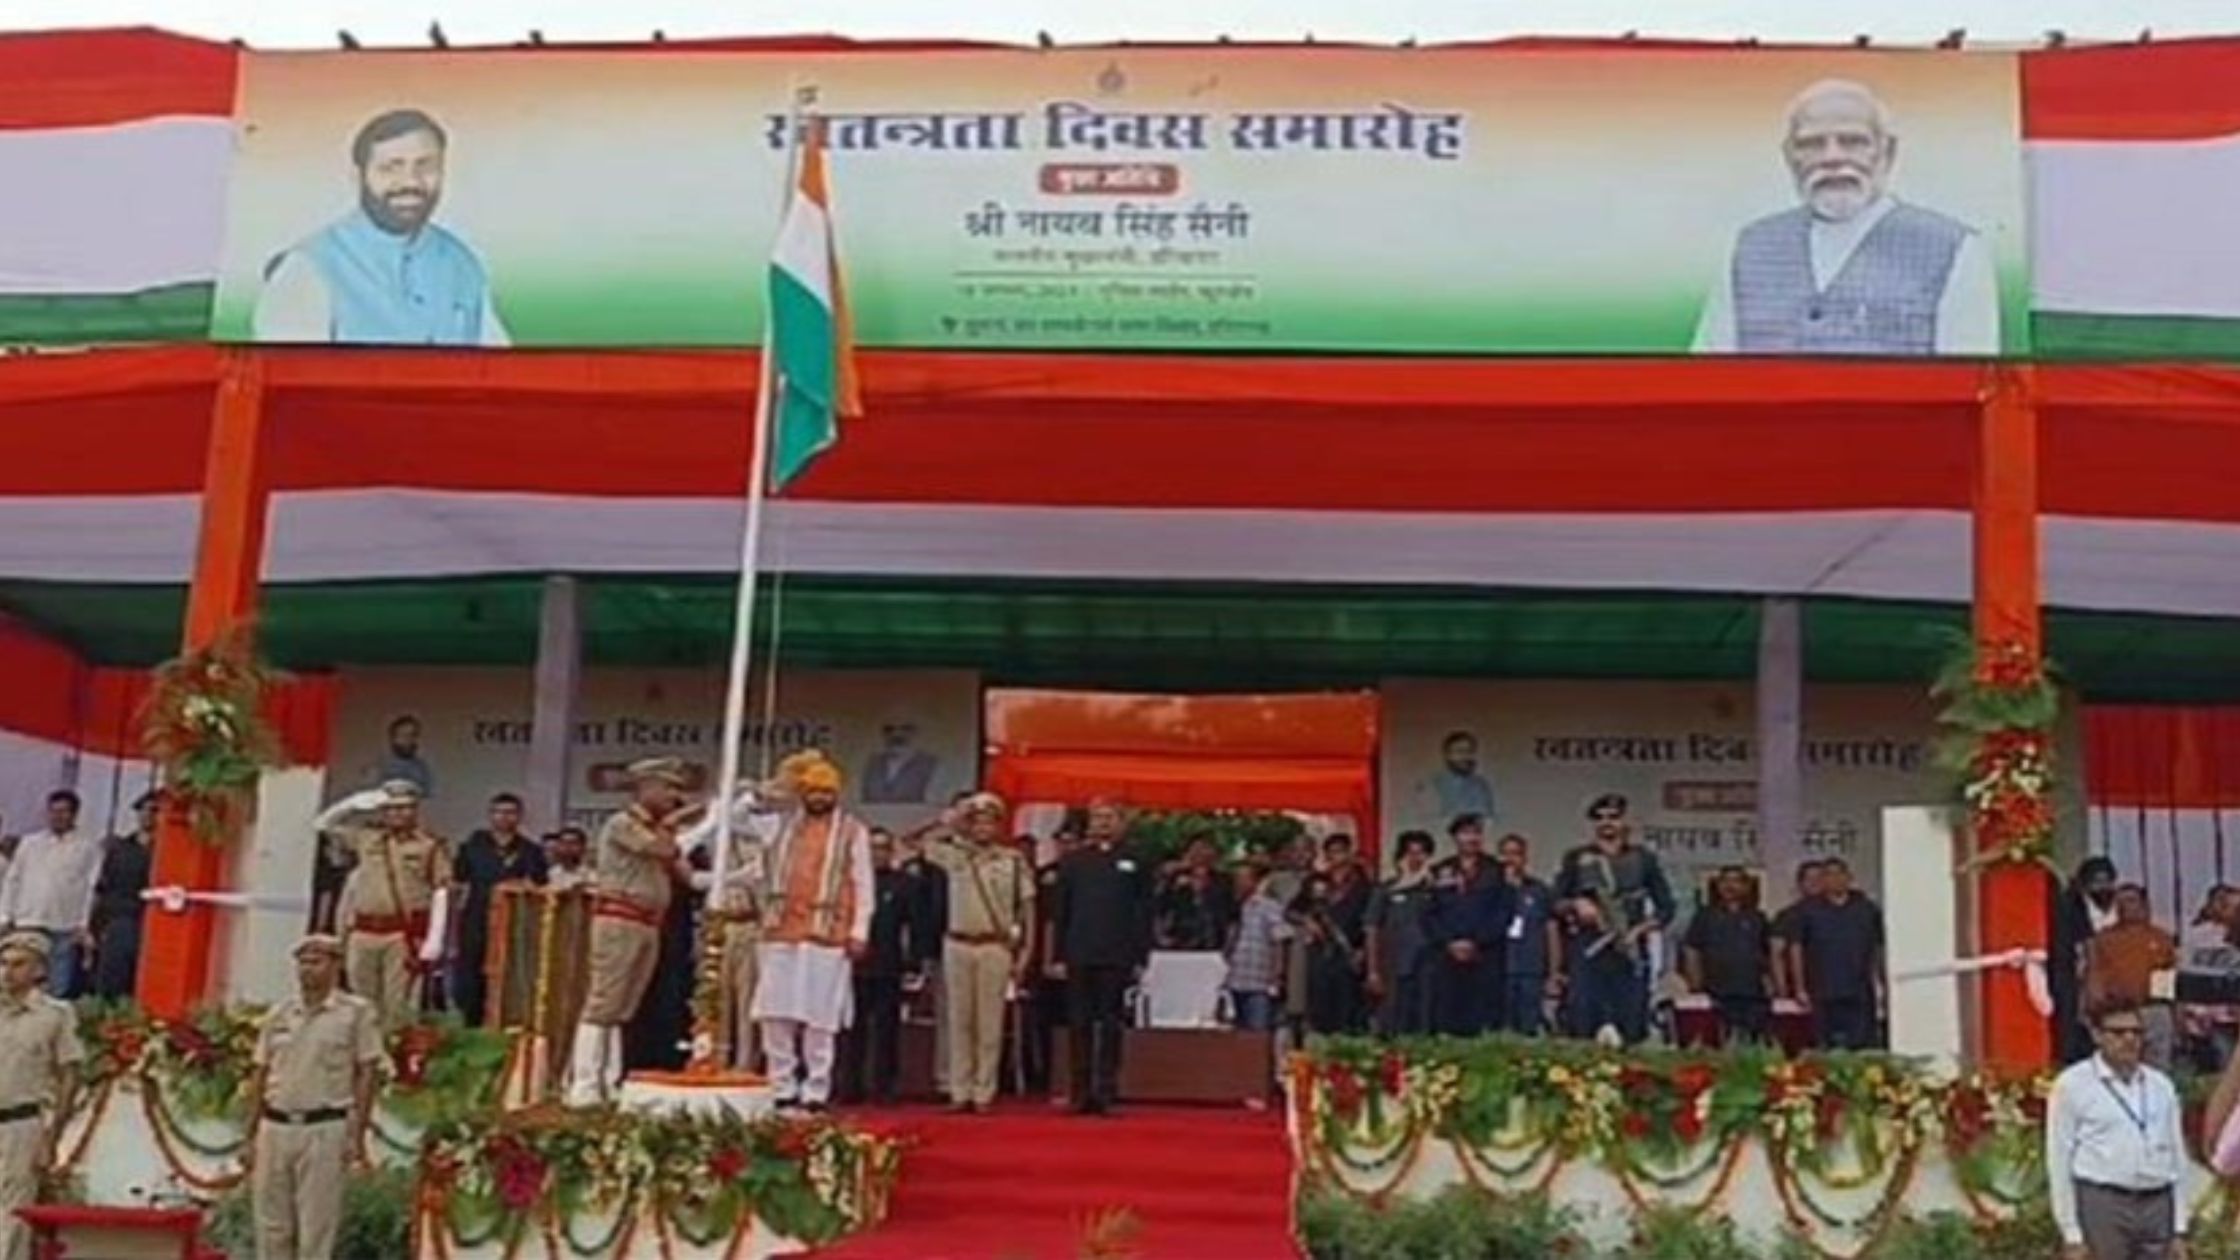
1636	1125
519	1173
1967	1117
1392	1073
410	1051
1687	1124
2009	667
1635	1079
1829	1115
190	1044
1345	1090
727	1164
793	1139
1693	1079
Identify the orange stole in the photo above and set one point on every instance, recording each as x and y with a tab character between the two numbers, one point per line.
807	915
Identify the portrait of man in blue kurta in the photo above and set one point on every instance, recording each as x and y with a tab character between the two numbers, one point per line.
385	273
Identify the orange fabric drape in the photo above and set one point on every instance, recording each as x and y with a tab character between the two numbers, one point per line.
1194	781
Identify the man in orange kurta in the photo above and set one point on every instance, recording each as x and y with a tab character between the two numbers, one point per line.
817	918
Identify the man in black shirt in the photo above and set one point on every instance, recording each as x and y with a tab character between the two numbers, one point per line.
497	854
1197	907
1785	930
1839	952
1724	956
117	905
1048	992
1103	926
870	1055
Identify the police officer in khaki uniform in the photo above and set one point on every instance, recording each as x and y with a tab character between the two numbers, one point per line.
39	1057
393	895
737	909
318	1059
984	953
635	862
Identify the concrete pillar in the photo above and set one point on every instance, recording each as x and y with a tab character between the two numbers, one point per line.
552	710
1780	693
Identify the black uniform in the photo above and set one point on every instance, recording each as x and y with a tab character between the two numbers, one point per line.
1469	902
1103	924
482	865
117	912
1049	995
870	1051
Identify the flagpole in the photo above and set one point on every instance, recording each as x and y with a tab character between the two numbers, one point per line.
709	1036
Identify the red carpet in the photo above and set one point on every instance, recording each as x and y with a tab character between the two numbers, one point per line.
1205	1184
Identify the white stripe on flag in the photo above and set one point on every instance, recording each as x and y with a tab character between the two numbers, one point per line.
2136	227
804	248
95	210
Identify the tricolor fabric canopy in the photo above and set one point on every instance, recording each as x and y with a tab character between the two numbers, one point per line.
1736	476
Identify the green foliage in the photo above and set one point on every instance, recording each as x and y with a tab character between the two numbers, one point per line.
376	1218
1457	1224
461	1075
1464	1224
1236	833
1666	1233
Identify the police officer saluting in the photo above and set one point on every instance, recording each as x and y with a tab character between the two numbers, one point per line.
1102	924
39	1057
318	1058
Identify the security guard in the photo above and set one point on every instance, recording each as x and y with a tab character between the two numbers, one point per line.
636	861
1103	927
317	1062
39	1057
984	950
400	870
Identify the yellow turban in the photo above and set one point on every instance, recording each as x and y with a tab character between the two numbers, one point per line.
812	771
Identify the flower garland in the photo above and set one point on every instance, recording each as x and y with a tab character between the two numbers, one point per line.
203	726
703	1179
1991	1125
2001	708
1665	1123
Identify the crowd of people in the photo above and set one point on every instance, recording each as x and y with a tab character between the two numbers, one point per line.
1474	943
2107	947
81	893
832	929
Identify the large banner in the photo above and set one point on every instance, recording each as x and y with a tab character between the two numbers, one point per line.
906	739
1532	754
1396	201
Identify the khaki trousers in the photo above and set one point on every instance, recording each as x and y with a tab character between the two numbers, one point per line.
739	944
20	1142
973	980
624	954
296	1186
379	969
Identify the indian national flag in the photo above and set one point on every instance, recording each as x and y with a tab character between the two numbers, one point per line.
114	146
2135	175
812	347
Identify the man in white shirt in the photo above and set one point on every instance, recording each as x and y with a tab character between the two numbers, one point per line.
1852	270
2115	1149
48	889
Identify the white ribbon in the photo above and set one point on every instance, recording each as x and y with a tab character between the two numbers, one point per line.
2030	962
172	899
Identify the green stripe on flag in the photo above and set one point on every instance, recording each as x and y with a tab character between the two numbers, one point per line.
178	312
801	340
2068	335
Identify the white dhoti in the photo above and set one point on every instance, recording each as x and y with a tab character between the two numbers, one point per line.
807	983
803	997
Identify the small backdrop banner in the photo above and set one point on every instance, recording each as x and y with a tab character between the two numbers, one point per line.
1528	200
